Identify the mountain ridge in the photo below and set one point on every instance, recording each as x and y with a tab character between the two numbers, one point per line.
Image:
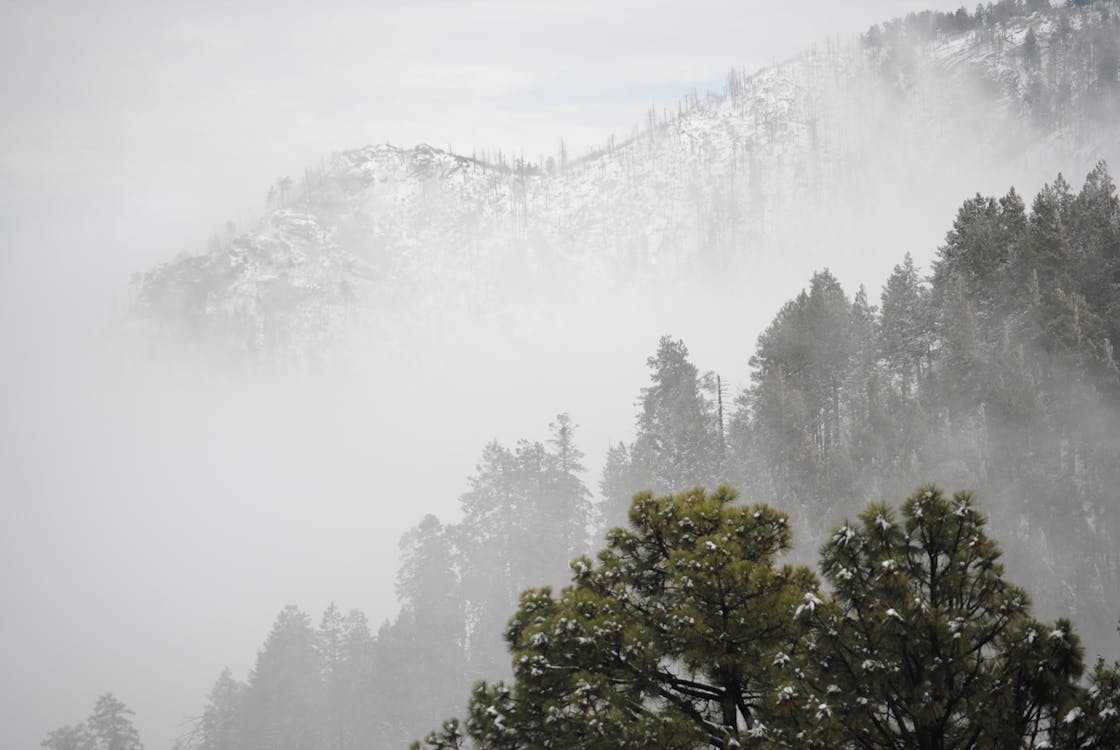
720	189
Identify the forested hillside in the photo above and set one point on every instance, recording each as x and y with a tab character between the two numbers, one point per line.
994	371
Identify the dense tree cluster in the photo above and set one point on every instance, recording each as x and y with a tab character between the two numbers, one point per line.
109	727
997	373
1069	57
687	633
339	687
311	687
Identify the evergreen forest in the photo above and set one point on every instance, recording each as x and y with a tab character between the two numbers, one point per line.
701	621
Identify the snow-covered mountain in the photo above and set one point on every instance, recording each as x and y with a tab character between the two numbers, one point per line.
846	156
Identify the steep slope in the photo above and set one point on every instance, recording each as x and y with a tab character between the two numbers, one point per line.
839	157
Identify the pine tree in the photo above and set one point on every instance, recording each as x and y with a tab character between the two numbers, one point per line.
332	660
493	514
808	344
361	704
799	403
219	728
1046	247
1093	720
1095	237
772	428
567	504
867	452
535	546
678	442
977	250
109	726
553	504
283	699
620	480
424	653
673	639
905	327
922	642
69	737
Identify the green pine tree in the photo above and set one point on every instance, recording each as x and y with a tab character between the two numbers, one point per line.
923	643
678	444
675	638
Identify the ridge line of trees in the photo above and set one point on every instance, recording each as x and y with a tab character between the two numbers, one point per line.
995	372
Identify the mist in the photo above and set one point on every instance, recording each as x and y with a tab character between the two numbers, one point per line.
161	503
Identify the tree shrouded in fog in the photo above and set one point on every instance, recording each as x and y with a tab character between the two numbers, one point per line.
679	442
219	728
420	657
686	634
283	696
526	514
314	688
109	727
997	373
565	510
801	373
69	737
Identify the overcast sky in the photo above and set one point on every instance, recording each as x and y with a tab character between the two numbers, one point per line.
130	132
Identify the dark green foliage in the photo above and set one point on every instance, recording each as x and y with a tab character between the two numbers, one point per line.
1093	721
686	634
449	737
977	248
924	644
674	638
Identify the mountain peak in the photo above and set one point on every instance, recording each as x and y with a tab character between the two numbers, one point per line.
803	156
